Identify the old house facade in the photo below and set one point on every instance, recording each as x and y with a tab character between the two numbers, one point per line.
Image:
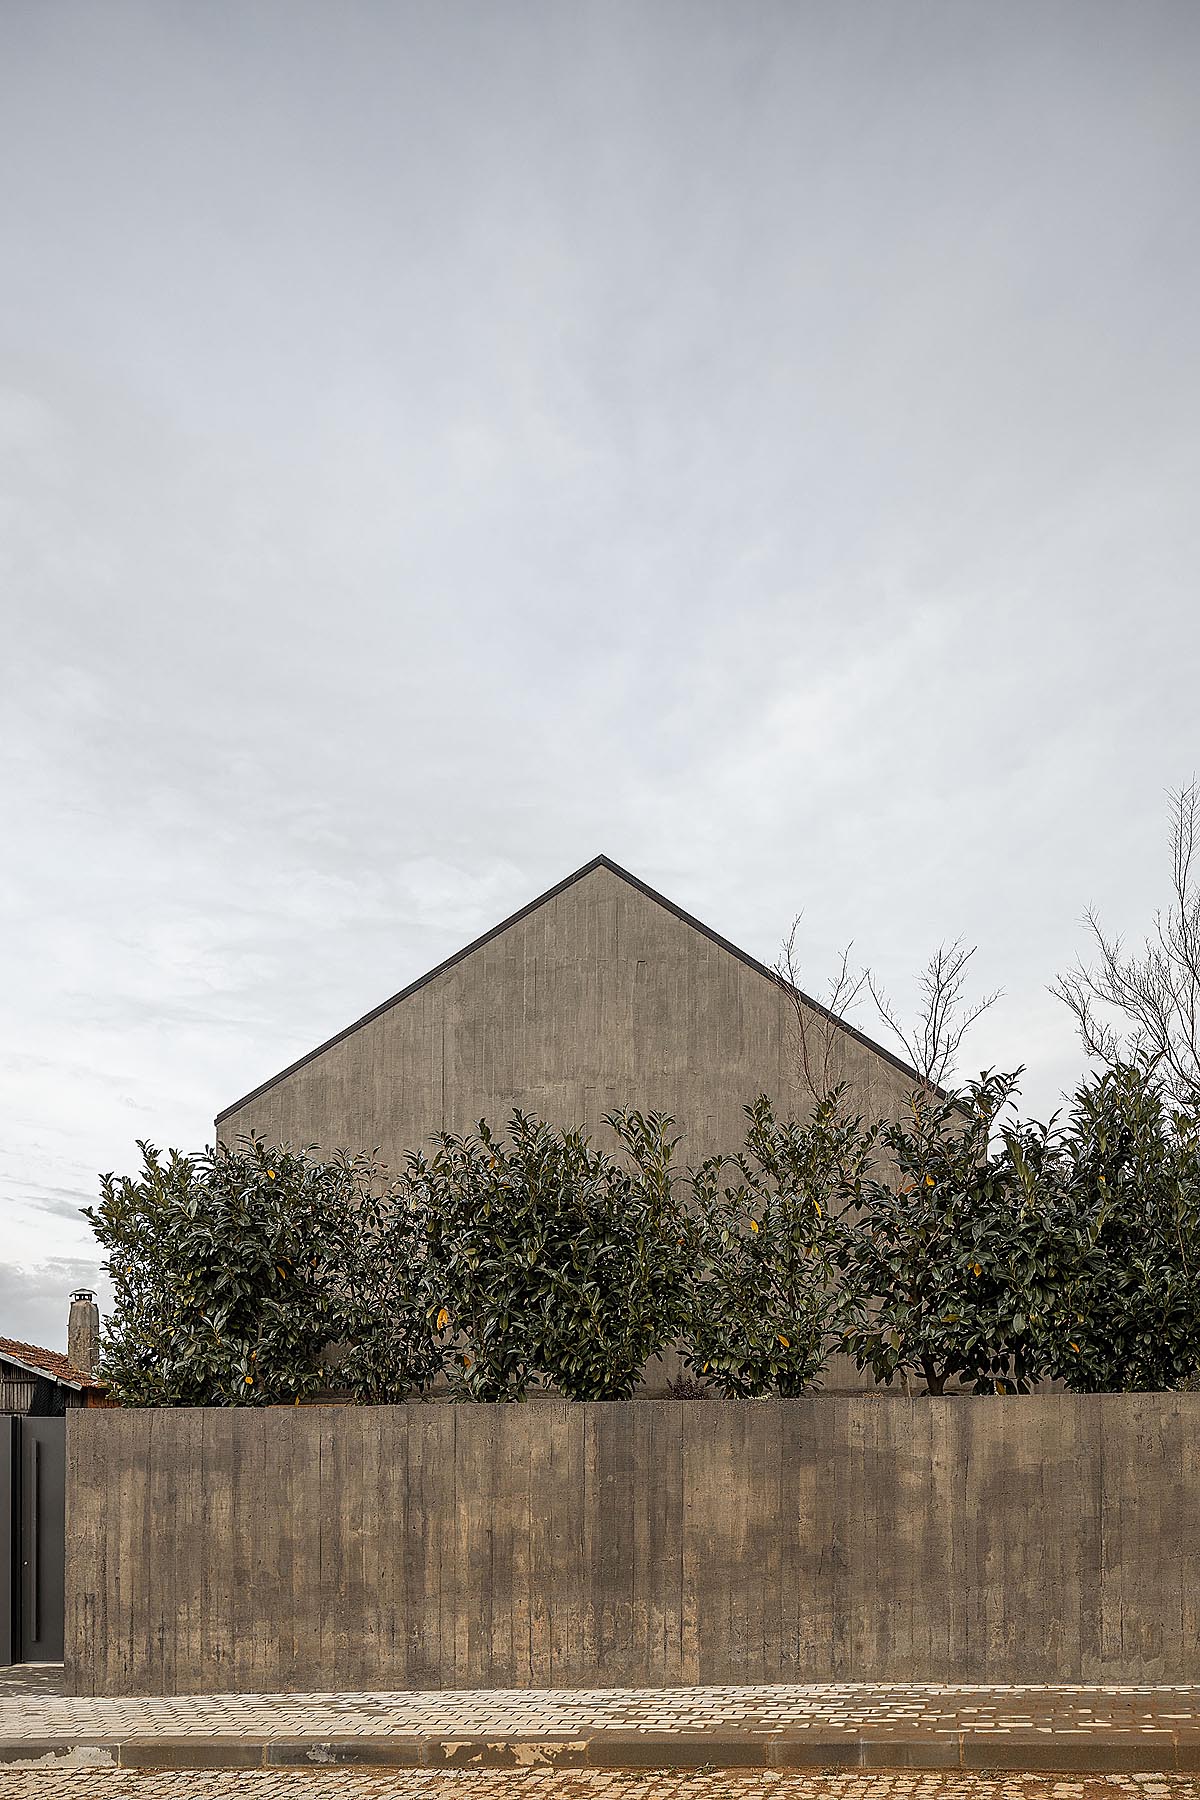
44	1383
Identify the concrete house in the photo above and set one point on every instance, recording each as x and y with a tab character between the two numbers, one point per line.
600	993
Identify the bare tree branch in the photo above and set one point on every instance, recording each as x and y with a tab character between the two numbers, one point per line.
931	1044
816	1027
944	1017
1155	991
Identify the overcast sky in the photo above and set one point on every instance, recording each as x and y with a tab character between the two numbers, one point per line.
441	442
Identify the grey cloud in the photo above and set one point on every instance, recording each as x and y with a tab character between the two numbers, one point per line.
59	1203
35	1302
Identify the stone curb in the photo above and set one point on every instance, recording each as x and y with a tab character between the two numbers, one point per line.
1008	1752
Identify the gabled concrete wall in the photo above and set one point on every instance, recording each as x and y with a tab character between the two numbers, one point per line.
599	997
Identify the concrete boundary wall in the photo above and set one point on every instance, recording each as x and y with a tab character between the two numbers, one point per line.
647	1543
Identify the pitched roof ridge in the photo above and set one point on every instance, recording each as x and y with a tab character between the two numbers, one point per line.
752	962
40	1361
560	887
421	981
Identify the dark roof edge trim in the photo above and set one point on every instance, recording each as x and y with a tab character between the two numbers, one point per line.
47	1374
752	962
597	862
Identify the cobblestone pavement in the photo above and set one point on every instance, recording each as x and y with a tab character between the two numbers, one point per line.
61	1784
851	1708
30	1678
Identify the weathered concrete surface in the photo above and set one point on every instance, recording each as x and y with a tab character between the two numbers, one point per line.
598	996
647	1543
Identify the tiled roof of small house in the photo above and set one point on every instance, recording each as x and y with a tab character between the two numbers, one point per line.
51	1363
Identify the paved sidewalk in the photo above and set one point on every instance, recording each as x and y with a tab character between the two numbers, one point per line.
579	1784
1112	1729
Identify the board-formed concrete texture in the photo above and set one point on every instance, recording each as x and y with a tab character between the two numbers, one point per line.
600	994
643	1543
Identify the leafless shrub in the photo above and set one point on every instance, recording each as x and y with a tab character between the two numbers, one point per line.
944	1015
817	1025
1154	992
930	1044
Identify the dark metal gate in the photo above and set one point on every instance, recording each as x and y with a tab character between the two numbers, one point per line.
33	1457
